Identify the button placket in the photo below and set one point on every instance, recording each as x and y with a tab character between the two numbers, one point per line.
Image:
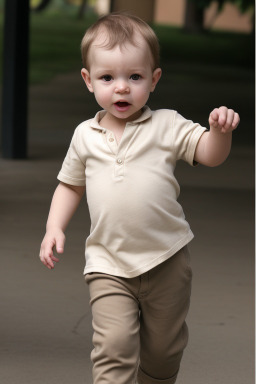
111	142
121	150
119	166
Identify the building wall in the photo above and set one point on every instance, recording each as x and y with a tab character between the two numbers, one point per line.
170	12
142	8
230	19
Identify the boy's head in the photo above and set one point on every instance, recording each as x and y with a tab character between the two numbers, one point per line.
120	29
121	65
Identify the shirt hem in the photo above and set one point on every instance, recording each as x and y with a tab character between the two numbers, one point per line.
139	271
196	136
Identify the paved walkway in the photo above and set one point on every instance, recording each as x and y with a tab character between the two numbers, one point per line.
45	316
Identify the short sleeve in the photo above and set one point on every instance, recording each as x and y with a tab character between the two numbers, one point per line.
73	168
186	135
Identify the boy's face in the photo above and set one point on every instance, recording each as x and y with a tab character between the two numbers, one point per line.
121	79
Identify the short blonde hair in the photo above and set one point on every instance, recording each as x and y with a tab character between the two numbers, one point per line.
121	28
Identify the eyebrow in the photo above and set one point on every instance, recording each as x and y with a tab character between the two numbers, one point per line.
112	69
103	71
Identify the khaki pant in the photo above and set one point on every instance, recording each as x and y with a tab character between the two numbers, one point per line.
139	323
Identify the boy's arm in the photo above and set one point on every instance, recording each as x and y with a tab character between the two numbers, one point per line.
64	204
214	146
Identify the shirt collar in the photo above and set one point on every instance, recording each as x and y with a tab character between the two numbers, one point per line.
146	114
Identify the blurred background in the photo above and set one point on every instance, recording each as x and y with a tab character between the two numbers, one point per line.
207	57
207	52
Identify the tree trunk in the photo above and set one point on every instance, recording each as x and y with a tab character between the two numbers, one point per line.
112	5
194	17
82	9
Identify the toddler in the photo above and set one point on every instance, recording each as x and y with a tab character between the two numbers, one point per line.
137	261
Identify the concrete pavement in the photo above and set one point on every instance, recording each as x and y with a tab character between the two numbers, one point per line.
45	315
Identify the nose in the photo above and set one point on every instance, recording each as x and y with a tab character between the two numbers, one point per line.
122	87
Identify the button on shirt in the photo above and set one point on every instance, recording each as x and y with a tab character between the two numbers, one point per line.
136	221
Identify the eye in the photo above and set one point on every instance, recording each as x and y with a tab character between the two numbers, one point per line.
107	78
135	77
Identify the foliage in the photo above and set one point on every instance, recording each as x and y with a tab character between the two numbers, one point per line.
243	5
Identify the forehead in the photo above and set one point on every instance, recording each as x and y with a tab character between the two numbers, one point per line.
136	46
108	38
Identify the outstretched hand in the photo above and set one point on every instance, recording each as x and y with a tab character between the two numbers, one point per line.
223	119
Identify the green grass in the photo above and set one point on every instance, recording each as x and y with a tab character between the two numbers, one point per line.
55	46
216	48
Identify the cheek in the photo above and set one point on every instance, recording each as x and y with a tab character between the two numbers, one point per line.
142	94
102	95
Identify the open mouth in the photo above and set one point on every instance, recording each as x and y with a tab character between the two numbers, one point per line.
122	104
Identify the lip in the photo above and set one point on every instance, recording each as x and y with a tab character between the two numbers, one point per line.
122	105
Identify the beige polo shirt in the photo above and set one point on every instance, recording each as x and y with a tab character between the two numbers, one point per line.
136	221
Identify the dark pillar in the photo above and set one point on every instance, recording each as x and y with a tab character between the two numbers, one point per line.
15	79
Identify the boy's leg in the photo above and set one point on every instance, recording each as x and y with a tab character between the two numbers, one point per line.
164	307
116	337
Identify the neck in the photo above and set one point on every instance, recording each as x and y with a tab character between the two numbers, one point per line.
110	120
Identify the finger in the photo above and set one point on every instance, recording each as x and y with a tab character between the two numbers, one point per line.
215	114
50	263
236	120
229	120
46	258
49	266
54	258
223	113
214	117
46	263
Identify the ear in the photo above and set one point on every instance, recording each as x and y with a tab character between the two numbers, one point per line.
155	78
87	79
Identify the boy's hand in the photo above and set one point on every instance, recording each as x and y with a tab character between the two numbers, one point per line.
52	239
223	119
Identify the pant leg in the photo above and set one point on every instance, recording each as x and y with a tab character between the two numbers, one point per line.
116	341
163	332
